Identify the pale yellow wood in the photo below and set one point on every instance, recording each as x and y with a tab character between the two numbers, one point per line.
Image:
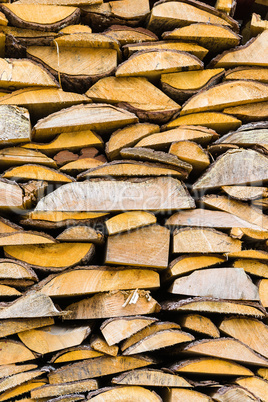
89	40
8	291
16	125
60	218
81	234
7	226
250	253
263	372
75	353
21	238
250	112
233	392
128	221
18	156
192	153
126	34
80	165
14	270
11	195
190	80
247	73
98	343
225	6
257	25
3	19
36	172
17	379
263	290
63	389
179	394
245	193
253	267
129	393
256	385
61	3
199	323
70	29
22	389
14	352
13	326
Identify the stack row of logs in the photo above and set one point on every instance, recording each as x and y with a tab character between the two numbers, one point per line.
133	199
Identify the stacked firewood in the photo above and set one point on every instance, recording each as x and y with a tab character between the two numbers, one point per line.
133	199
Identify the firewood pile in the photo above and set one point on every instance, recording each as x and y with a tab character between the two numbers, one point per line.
133	200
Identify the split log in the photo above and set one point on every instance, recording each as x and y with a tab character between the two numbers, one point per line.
60	2
98	343
200	324
16	273
16	125
234	392
262	372
213	37
11	369
7	226
54	337
189	263
263	287
40	17
98	367
253	53
92	196
14	352
36	172
191	153
236	285
127	137
247	73
8	291
209	305
226	6
180	86
81	234
17	156
163	140
150	377
93	279
117	394
256	385
211	366
250	112
89	40
80	165
11	195
13	326
17	39
176	394
63	389
255	234
145	247
52	257
99	117
115	330
136	94
113	304
226	94
206	240
152	63
17	379
23	237
168	15
126	34
75	353
19	390
245	136
128	221
245	193
250	331
199	51
42	101
254	254
220	122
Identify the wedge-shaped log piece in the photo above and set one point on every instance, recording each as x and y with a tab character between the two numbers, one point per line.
145	247
150	155
233	392
36	172
131	168
21	73
206	240
98	367
207	218
192	48
16	273
251	112
125	34
209	305
76	28
136	94
235	167
257	25
255	234
78	70
256	385
11	195
17	156
13	326
128	221
50	390
214	37
150	377
172	14
127	137
129	393
115	330
247	73
23	237
27	37
247	137
75	353
19	390
52	257
161	193
41	17
191	153
235	284
253	254
31	305
8	291
81	234
99	117
17	379
80	166
245	193
54	337
14	352
11	369
226	348
113	304
199	323
152	63
7	226
93	279
263	287
220	122
263	372
88	40
180	86
16	125
241	210
164	139
212	366
97	342
72	141
159	340
234	93
190	262
177	394
42	101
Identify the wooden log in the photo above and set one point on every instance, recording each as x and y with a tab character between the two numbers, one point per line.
49	390
250	253
81	165
226	6
8	291
54	337
13	326
18	379
11	195
16	156
191	153
88	40
129	221
7	226
122	196
175	394
23	237
52	257
98	367
245	137
36	172
100	117
60	2
131	393
206	240
214	37
81	234
262	372
145	247
234	392
150	377
113	304
256	385
199	323
97	342
16	273
263	286
19	390
255	234
16	125
75	353
11	369
40	17
18	38
245	193
248	113
247	73
115	330
14	352
126	34
137	95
